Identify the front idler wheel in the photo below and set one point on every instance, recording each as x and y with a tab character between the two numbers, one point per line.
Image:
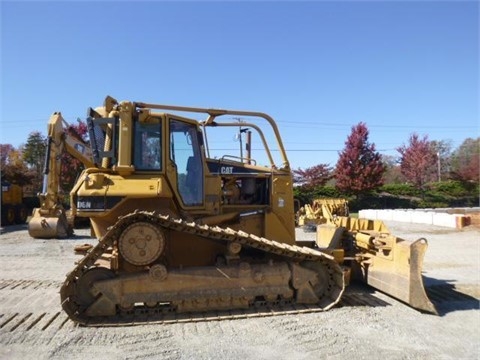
85	294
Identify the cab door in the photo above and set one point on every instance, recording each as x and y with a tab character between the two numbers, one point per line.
185	168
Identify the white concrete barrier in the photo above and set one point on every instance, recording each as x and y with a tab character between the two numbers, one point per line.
423	217
385	215
418	216
368	214
402	216
444	219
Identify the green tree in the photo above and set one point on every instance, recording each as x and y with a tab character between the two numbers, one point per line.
359	169
34	155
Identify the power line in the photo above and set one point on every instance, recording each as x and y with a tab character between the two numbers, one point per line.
296	150
380	126
293	123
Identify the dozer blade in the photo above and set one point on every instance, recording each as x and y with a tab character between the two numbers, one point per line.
48	227
397	271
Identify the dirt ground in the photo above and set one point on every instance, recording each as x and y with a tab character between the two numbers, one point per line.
366	325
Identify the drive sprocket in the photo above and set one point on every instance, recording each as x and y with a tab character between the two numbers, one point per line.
141	243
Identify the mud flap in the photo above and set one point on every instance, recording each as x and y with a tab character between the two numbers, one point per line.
399	274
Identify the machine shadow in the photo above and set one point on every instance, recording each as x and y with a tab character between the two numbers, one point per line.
447	298
24	227
13	228
360	294
443	294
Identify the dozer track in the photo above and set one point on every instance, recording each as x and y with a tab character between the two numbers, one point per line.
298	262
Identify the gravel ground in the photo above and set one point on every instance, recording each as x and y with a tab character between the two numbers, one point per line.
33	326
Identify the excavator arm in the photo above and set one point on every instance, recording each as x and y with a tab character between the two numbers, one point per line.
50	220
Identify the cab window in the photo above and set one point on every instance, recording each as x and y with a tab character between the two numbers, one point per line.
147	147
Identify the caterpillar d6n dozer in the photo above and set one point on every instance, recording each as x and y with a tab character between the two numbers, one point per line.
182	230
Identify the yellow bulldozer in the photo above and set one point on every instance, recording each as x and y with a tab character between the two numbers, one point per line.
181	230
51	219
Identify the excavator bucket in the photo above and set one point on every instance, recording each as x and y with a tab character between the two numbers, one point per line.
48	227
388	263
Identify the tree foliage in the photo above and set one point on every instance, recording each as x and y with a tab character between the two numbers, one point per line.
13	168
34	155
392	174
418	162
465	161
5	150
312	177
359	168
443	150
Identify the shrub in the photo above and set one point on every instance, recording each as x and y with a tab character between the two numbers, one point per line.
449	188
400	189
328	192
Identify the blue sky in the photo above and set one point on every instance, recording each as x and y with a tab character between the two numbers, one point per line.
318	68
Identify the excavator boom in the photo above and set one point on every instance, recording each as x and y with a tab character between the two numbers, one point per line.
50	220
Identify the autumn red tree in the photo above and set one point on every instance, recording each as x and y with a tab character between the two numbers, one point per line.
5	150
314	176
13	169
359	167
418	161
71	167
465	161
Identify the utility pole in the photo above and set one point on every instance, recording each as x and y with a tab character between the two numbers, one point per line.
438	167
240	132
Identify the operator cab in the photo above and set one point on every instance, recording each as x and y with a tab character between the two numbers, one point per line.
161	145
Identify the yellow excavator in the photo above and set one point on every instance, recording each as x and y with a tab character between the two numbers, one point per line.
50	219
182	229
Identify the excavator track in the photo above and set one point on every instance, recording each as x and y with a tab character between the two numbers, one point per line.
167	312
